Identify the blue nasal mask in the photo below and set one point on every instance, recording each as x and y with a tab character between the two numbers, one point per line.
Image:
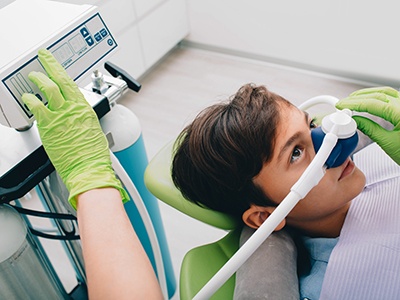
345	128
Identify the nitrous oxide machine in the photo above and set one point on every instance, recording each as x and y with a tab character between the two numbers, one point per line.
40	250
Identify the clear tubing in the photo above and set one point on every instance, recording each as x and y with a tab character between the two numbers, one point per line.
310	178
137	199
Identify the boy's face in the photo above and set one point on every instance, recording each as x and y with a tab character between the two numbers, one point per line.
292	154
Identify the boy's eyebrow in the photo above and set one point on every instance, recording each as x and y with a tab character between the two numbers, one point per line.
292	139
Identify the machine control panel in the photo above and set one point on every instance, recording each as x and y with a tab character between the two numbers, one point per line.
74	51
76	34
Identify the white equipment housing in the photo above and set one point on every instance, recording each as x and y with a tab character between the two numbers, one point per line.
75	34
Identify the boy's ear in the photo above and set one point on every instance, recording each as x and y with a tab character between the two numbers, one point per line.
256	215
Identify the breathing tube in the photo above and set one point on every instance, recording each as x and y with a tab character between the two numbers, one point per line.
333	141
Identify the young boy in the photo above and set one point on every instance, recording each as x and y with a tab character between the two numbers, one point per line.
243	156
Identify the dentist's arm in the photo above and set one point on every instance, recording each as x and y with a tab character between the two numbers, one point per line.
116	265
383	102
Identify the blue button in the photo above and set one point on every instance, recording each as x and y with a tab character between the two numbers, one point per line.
103	32
110	42
89	41
84	32
98	37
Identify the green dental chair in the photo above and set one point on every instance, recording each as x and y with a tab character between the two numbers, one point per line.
200	263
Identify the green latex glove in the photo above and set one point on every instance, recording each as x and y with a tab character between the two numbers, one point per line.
383	102
70	131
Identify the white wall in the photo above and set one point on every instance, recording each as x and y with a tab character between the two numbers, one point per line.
354	38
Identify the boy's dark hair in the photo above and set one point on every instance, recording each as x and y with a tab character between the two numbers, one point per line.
224	148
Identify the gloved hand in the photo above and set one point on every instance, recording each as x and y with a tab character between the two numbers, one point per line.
70	131
383	102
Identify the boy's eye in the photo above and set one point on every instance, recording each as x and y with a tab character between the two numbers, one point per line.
312	123
296	154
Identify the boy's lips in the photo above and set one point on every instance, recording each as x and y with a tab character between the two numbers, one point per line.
348	168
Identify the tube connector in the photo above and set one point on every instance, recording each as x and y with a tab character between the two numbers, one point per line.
99	85
340	123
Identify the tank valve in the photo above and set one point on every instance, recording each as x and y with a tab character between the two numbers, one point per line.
99	85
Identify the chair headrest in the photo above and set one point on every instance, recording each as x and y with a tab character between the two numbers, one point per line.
159	182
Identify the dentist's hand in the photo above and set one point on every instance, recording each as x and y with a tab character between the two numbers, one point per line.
383	102
70	131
